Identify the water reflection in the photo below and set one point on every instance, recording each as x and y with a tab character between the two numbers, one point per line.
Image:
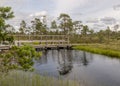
43	59
65	62
84	59
64	59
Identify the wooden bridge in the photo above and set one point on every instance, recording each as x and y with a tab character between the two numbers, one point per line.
43	41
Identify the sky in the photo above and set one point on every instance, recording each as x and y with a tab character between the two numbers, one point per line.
96	13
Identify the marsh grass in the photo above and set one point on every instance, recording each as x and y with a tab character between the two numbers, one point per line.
100	49
20	78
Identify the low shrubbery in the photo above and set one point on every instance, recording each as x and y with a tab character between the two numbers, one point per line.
18	58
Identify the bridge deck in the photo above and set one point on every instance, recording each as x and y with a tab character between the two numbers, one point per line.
43	46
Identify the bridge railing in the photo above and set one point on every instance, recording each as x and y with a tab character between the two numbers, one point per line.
42	39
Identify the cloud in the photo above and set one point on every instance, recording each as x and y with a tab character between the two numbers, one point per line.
108	20
67	6
95	20
12	0
37	14
116	7
78	9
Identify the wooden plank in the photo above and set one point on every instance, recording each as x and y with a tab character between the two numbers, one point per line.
4	47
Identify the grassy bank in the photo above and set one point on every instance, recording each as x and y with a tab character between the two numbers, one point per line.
107	50
20	78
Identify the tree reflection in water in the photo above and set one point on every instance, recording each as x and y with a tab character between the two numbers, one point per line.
65	62
84	59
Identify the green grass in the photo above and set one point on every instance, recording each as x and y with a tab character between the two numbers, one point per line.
20	78
98	49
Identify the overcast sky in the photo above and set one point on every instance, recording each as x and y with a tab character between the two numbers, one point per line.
77	9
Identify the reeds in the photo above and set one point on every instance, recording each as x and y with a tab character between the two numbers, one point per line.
20	78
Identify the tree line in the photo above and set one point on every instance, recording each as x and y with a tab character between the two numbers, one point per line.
78	32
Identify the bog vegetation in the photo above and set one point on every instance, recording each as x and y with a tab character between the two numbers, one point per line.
100	49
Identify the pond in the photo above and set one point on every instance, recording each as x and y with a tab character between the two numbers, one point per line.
87	68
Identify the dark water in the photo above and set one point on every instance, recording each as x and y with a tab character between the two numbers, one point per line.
87	68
